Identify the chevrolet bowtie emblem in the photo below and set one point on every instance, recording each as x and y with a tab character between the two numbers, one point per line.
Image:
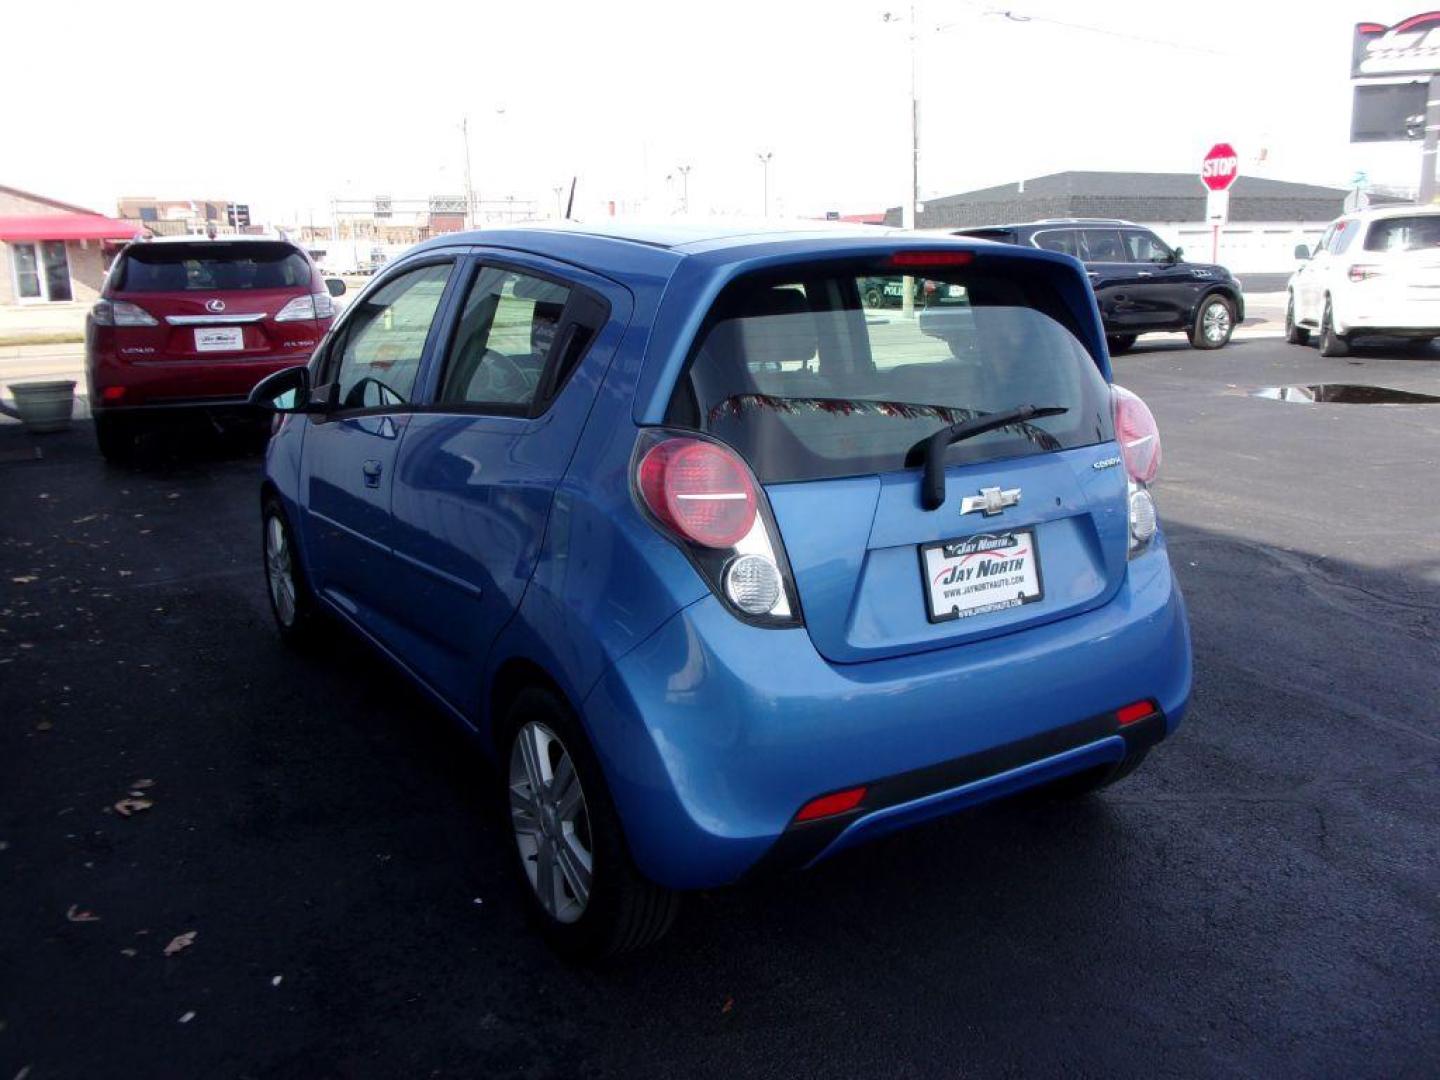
990	501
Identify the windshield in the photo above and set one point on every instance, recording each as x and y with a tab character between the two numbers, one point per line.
212	267
827	376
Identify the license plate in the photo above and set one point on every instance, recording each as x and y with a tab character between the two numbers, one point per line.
974	575
220	339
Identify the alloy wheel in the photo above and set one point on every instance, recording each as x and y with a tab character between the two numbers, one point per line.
551	822
1216	322
279	570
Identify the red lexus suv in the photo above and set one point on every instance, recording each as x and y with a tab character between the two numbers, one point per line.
196	323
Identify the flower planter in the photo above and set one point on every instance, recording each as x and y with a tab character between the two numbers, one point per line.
43	406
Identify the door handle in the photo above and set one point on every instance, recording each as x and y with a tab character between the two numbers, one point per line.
371	469
1144	273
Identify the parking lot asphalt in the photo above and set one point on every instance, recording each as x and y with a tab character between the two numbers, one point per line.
1261	899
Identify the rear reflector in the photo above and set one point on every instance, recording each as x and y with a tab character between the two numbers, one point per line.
932	258
829	805
1138	710
112	393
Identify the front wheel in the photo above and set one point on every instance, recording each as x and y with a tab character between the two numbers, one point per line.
1120	343
1295	334
1214	323
584	889
1331	343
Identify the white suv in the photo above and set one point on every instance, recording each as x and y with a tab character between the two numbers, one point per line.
1373	272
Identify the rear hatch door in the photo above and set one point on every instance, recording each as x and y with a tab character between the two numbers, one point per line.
828	399
215	301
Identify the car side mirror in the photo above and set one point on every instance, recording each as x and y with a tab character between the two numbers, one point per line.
286	391
1301	251
334	286
1178	255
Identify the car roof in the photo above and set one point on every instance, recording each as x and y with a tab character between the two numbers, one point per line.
1381	213
618	248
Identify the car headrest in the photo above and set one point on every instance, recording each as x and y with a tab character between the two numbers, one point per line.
543	321
775	326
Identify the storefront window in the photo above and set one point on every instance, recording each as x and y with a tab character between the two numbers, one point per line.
42	271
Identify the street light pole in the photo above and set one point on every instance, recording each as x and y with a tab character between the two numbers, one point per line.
469	189
765	169
684	171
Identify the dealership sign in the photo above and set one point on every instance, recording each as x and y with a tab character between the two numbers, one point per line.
1410	47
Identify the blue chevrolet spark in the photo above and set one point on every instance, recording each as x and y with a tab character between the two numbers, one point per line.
729	567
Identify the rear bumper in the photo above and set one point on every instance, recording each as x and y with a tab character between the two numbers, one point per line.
177	383
713	734
1416	318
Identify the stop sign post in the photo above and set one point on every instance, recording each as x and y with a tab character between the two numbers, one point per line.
1219	169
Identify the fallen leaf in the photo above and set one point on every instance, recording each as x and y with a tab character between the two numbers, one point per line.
180	942
126	807
75	914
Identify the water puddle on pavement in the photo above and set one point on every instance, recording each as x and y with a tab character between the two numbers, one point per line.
1344	394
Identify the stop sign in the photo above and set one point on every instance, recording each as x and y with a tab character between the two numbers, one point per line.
1220	167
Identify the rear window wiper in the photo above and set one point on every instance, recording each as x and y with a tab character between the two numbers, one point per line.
931	449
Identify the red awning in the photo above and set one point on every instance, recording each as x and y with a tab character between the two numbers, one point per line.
66	227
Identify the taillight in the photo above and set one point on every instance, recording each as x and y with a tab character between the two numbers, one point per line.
1137	434
1139	439
311	306
120	313
1362	272
700	490
703	496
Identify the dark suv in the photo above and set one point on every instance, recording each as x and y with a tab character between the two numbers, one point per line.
1142	284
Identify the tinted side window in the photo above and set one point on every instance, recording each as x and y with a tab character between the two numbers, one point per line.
504	339
1103	245
385	339
1145	247
1061	240
1345	232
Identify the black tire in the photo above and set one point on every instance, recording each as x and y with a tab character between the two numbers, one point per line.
1215	312
1331	343
874	298
1120	343
115	436
301	629
1295	334
1079	785
624	910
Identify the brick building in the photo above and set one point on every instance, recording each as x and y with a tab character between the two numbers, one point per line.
52	252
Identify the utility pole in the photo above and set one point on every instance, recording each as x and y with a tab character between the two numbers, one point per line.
684	171
765	169
469	189
559	190
908	208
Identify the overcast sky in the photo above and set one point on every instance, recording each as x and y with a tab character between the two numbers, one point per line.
288	105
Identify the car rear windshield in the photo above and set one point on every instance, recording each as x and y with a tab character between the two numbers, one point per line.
212	267
826	375
1418	233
